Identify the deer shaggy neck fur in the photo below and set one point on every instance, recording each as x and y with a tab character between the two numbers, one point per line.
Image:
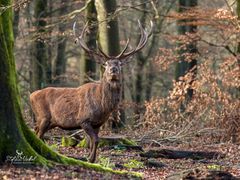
110	94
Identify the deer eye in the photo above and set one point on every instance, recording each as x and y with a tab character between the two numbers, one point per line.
105	64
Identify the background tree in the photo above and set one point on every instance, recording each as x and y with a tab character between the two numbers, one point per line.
140	63
60	63
184	28
40	68
89	65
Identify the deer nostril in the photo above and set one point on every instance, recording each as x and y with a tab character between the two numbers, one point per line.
113	70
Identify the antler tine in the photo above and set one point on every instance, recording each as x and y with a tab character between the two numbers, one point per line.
151	29
84	29
74	28
102	53
143	38
81	40
144	35
124	49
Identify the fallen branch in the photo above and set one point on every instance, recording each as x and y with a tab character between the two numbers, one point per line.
201	174
77	132
174	154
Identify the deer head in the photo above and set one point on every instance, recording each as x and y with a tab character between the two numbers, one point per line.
113	64
112	70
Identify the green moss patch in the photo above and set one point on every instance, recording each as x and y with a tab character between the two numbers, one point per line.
69	141
118	141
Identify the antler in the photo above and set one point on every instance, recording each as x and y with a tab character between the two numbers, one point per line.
123	55
101	56
142	42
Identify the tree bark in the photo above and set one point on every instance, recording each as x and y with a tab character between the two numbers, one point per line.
150	80
16	22
60	64
39	63
50	46
108	26
89	63
140	66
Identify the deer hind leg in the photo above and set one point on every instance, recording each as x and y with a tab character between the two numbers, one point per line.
43	127
94	144
36	128
93	134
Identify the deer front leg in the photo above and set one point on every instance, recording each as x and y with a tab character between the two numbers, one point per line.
93	134
91	144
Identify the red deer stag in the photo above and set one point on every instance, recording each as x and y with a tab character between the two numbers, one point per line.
89	105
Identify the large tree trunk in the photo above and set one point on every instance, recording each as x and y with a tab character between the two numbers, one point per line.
39	68
109	39
13	131
89	63
108	27
183	67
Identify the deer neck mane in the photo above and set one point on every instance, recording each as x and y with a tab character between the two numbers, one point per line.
111	92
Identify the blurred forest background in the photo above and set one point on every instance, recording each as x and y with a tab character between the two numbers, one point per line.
183	84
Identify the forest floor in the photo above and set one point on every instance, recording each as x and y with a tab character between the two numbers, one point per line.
123	159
